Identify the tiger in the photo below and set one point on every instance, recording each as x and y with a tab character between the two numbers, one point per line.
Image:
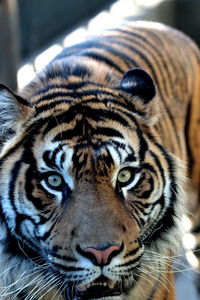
99	162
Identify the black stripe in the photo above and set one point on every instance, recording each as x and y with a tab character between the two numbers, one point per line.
69	51
190	158
131	262
171	118
12	183
63	257
142	205
136	35
51	105
106	131
139	211
108	158
46	235
130	157
48	161
149	167
49	157
99	115
132	252
101	58
146	194
107	44
67	86
80	71
158	164
79	165
140	208
69	269
55	94
29	187
143	147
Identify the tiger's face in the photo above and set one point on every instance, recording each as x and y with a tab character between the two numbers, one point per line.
87	188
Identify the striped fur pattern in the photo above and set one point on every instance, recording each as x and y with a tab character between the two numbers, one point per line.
93	156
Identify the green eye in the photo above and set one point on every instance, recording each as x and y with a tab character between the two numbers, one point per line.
54	180
124	176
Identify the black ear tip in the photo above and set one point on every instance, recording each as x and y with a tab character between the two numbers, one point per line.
8	92
3	87
138	83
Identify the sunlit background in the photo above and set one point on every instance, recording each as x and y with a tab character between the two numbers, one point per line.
34	31
19	64
110	17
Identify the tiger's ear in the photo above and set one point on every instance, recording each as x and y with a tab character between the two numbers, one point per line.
13	109
141	90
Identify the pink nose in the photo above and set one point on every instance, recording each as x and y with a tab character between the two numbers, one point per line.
103	256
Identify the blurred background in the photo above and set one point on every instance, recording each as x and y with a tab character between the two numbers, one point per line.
33	32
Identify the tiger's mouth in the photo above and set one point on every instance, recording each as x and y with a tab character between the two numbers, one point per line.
99	288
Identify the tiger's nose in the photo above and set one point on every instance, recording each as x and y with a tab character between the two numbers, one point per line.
101	256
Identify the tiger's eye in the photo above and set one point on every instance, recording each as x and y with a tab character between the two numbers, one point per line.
54	180
124	176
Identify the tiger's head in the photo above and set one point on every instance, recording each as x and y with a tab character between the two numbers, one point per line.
86	187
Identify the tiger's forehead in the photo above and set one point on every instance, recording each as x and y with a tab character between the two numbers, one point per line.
62	156
83	134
